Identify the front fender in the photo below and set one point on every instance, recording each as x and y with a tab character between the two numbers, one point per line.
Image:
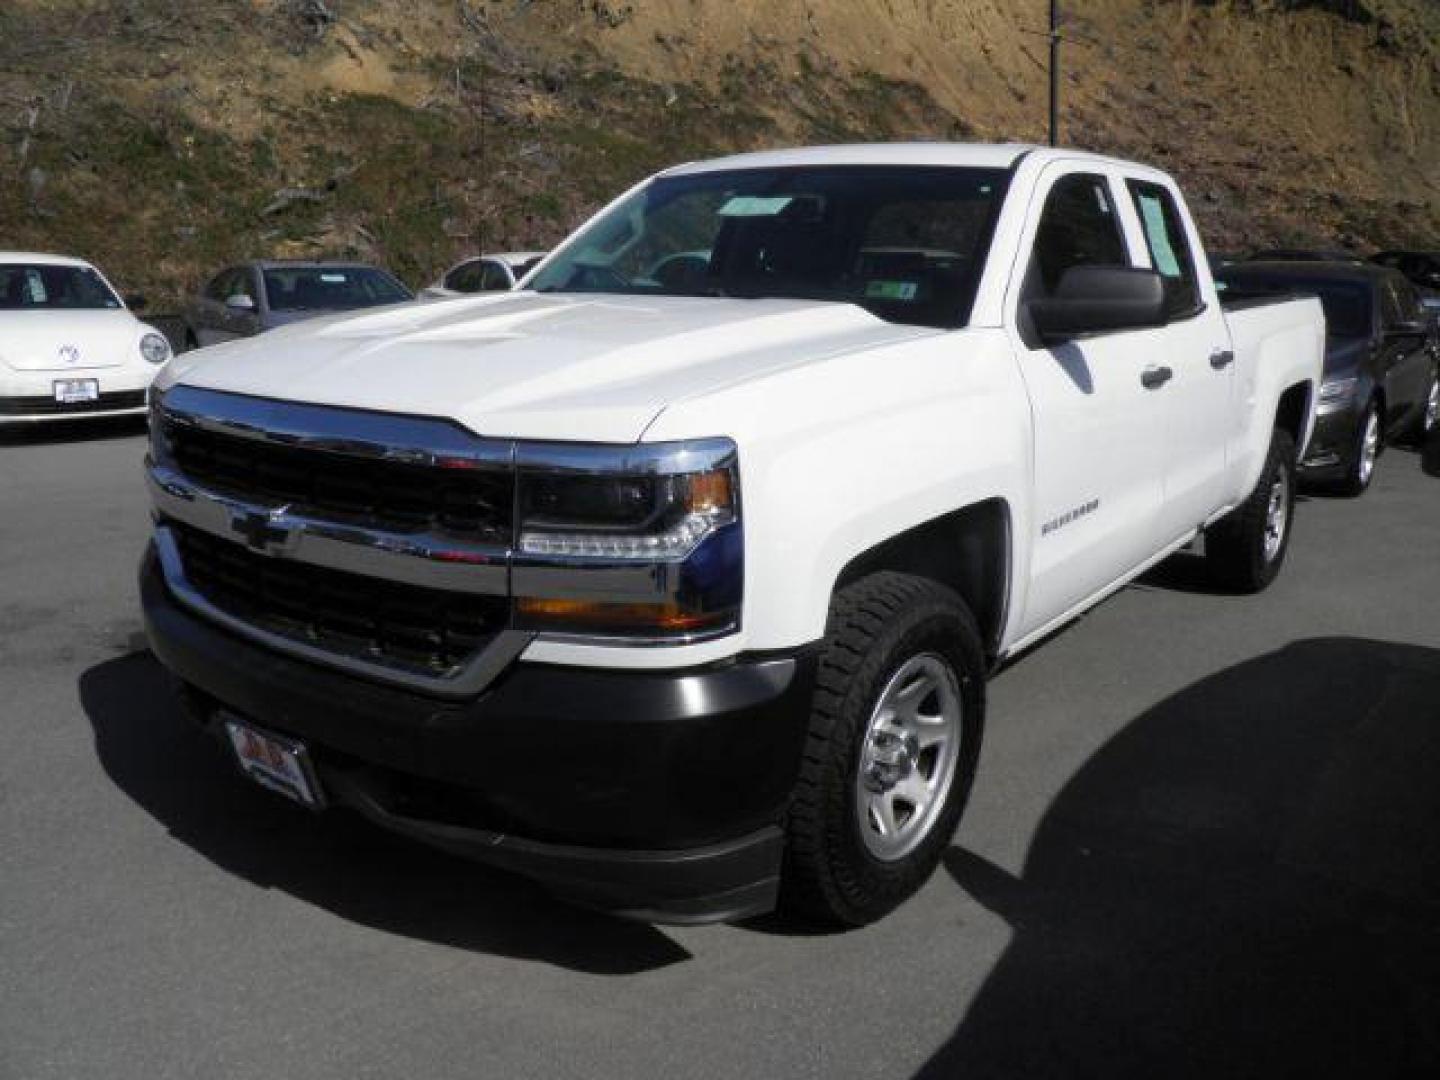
838	456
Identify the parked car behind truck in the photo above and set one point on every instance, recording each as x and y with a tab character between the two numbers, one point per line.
681	596
497	272
245	300
69	346
1382	362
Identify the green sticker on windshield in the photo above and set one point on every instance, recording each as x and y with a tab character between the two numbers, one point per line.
755	206
891	290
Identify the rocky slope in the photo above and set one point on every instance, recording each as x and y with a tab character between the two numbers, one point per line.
163	139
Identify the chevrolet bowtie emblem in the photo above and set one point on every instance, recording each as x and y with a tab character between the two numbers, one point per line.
262	531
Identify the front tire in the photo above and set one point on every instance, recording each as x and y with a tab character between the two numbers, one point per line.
1365	453
895	730
1245	549
1429	420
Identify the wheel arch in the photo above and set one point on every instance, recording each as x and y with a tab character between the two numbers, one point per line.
1293	412
968	550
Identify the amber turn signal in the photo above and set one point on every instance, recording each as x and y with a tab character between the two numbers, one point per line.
711	491
548	614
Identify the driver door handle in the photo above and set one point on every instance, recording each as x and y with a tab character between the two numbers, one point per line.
1220	359
1152	378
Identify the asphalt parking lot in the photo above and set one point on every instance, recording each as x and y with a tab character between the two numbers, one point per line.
1203	842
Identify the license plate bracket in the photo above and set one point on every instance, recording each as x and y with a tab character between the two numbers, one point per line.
75	391
274	761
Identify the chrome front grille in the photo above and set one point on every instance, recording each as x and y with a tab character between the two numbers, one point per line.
378	544
385	622
474	501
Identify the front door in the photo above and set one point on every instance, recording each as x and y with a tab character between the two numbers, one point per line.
1098	478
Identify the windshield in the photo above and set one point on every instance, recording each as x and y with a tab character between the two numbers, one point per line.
1346	303
34	286
907	244
324	288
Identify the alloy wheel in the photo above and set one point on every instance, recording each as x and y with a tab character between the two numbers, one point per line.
908	757
1277	515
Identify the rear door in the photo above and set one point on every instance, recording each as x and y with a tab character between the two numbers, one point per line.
1098	467
1194	346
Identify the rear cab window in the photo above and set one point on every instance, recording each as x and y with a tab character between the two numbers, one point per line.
1169	247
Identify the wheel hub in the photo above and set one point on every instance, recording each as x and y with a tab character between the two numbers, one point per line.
890	758
908	757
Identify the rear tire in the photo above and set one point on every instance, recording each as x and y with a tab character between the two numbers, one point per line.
190	341
1245	549
895	730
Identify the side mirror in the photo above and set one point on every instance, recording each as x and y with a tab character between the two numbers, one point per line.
136	302
240	302
1097	299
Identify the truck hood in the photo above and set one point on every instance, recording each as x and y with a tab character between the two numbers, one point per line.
59	340
595	368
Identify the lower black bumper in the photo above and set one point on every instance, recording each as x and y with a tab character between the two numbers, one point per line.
1333	446
653	794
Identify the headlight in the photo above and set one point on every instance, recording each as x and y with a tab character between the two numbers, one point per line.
629	542
1337	394
624	517
155	348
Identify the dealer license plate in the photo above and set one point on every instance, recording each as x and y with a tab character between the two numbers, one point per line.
74	391
278	763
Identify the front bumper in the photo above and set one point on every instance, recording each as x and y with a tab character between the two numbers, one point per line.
1333	447
657	795
28	397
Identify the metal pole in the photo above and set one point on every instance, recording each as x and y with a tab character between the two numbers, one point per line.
1054	72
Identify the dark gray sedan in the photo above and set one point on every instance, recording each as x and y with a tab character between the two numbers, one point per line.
244	300
1382	361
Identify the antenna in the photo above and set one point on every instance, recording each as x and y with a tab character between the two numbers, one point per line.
1054	72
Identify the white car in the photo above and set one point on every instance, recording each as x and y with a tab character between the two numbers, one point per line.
677	589
68	344
496	272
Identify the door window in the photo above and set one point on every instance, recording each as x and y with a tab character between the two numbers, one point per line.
494	278
1078	227
216	290
244	284
1169	248
465	277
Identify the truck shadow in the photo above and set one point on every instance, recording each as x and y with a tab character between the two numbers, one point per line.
336	861
1244	882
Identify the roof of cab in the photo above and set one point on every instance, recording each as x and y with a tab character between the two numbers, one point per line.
40	258
972	155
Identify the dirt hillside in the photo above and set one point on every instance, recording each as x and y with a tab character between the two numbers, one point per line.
164	139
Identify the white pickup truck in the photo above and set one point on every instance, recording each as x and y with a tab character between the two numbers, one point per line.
673	578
